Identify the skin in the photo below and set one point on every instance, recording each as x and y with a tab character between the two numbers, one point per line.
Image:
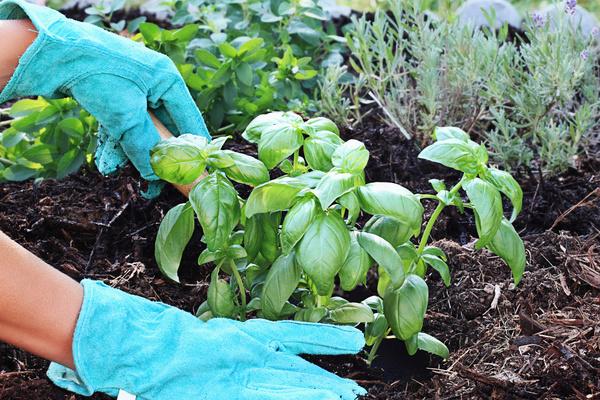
39	306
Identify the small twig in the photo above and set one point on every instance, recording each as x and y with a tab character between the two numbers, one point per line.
16	373
497	294
562	216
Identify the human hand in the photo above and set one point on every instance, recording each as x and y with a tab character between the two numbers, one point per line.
112	77
154	351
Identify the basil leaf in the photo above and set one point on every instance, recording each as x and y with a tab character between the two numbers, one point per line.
256	127
439	265
392	230
333	185
296	222
281	281
391	200
351	156
375	329
357	264
217	207
350	201
385	255
453	153
432	345
449	132
260	238
505	183
177	161
173	235
352	313
487	205
278	142
246	169
405	307
318	149
276	195
323	250
220	296
508	245
323	124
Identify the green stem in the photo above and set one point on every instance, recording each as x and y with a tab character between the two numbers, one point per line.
375	346
5	161
238	278
435	216
296	156
4	123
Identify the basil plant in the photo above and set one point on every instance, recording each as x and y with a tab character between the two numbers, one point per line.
284	245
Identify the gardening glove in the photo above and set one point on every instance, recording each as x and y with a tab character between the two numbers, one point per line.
155	351
114	78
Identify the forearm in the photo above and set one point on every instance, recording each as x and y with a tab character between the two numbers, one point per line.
16	36
39	306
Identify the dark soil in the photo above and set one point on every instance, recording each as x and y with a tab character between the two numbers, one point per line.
538	340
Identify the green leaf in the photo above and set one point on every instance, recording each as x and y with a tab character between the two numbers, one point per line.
12	137
409	256
434	251
281	281
210	256
244	74
26	107
375	329
276	195
227	50
351	156
149	31
385	255
505	183
405	307
19	173
178	160
222	75
432	345
173	235
217	207
333	185
357	264
207	58
392	230
260	237
323	124
350	201
220	296
318	149
69	163
439	265
352	313
453	153
256	127
323	249
441	133
391	200
296	222
508	245
278	142
487	205
384	281
246	169
43	153
250	47
219	159
72	127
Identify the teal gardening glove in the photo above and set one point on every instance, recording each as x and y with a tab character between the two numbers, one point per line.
155	351
113	78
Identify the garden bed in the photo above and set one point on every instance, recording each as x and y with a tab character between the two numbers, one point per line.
538	340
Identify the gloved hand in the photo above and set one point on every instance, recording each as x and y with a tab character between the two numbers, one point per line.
113	78
158	352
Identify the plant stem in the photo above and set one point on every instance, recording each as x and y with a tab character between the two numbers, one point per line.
4	123
375	346
296	156
5	161
238	279
435	216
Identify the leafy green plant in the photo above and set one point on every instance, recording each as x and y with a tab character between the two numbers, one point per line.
101	15
242	59
520	95
46	139
295	234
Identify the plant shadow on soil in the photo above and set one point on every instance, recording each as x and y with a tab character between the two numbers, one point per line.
538	340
